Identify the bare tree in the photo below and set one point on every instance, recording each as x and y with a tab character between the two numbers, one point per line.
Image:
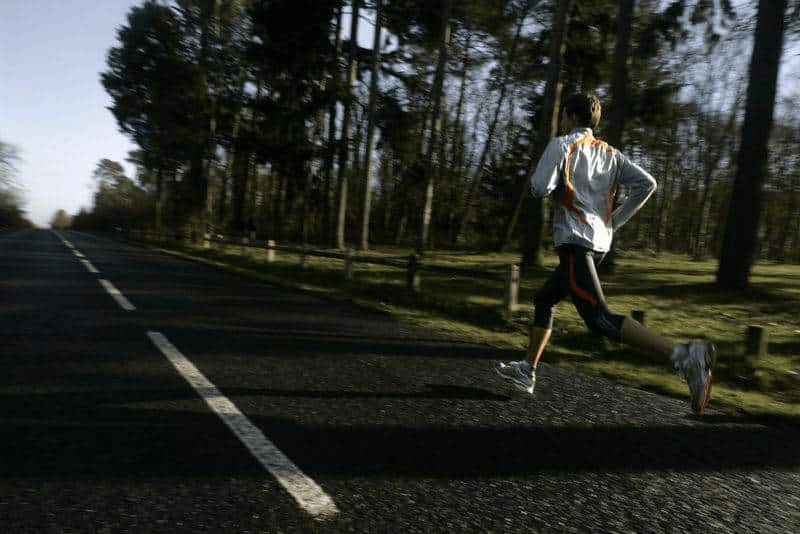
477	176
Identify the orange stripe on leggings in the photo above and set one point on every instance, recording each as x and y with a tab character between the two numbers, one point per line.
574	285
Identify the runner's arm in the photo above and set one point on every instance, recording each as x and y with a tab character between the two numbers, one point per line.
546	177
641	186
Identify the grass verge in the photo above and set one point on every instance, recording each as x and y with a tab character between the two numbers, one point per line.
678	296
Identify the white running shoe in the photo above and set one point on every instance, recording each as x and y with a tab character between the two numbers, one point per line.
693	362
521	374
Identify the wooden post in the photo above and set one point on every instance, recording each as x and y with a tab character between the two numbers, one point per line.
270	251
757	340
413	273
304	256
348	264
638	315
510	299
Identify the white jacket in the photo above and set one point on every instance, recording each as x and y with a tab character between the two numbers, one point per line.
584	174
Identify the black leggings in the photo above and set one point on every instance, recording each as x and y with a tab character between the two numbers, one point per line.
576	276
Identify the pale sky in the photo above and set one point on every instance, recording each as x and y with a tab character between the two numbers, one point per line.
52	105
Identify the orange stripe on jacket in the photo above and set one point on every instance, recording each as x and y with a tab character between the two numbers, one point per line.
569	194
613	191
610	204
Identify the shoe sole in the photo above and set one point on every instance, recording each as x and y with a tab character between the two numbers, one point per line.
516	383
711	361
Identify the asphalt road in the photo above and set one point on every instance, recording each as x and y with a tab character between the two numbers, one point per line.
144	393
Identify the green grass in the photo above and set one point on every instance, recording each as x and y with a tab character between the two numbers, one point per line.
678	296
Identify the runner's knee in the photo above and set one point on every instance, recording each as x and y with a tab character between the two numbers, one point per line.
602	322
543	311
543	317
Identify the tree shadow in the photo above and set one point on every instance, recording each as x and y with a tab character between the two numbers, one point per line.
89	435
528	449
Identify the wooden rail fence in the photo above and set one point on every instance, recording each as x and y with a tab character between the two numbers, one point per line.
756	337
413	264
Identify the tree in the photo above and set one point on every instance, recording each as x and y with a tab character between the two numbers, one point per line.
741	229
11	203
504	89
60	220
346	138
548	126
619	84
366	186
291	55
118	200
150	80
431	163
9	155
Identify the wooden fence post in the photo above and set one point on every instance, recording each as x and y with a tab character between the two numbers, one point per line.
757	340
348	264
270	251
413	273
304	255
510	298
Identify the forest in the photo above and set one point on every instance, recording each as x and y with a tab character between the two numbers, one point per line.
12	214
417	123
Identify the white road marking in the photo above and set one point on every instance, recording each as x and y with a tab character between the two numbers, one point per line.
89	267
124	303
78	253
305	491
63	239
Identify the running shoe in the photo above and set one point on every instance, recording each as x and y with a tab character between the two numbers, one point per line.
521	374
693	362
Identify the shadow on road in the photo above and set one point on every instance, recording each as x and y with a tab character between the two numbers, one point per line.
65	434
479	452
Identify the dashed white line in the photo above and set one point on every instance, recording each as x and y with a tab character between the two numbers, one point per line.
89	267
303	489
307	493
123	302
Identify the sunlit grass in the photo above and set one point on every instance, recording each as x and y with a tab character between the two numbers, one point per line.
678	296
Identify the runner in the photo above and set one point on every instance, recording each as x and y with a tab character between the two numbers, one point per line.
583	174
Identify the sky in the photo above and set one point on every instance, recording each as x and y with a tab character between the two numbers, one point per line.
53	107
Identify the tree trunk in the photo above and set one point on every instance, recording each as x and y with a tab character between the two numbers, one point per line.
741	229
366	186
619	89
159	207
619	98
307	209
227	175
345	138
664	203
548	127
436	125
210	27
459	131
279	210
330	154
240	185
